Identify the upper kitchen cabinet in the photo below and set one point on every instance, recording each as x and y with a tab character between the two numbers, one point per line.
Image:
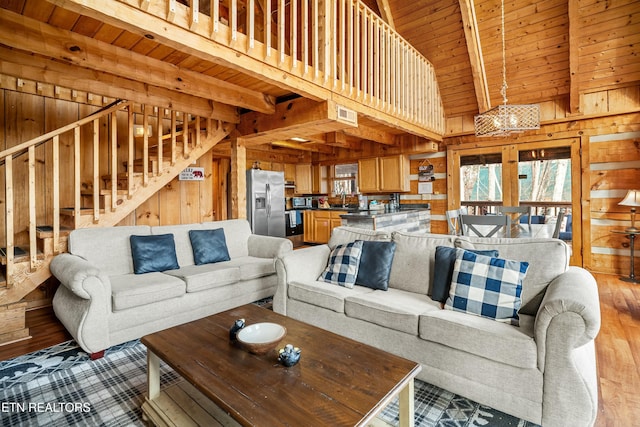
304	180
311	179
368	172
384	174
394	173
290	172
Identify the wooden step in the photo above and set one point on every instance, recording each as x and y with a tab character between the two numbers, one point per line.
46	231
19	255
83	211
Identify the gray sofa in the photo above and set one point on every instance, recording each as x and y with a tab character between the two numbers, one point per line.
102	302
543	371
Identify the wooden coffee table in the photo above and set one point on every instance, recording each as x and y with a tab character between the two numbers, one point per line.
338	382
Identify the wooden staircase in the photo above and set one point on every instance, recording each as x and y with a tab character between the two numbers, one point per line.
147	164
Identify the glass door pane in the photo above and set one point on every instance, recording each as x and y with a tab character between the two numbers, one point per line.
544	180
481	182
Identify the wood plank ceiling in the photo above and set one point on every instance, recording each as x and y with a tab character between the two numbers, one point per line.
604	41
554	48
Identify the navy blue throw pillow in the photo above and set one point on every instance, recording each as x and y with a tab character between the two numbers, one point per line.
375	264
443	271
153	253
209	246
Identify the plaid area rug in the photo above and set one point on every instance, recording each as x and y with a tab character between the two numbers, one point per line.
61	386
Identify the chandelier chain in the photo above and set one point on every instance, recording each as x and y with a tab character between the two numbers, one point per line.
503	91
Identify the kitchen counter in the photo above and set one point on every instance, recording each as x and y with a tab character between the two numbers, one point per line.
403	219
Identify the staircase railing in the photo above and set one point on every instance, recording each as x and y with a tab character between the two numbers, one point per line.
139	142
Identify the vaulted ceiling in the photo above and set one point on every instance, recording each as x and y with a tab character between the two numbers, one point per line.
552	46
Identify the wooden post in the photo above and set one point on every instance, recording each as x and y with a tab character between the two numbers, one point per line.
33	249
9	210
238	178
56	192
96	169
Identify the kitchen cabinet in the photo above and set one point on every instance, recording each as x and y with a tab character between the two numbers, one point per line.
310	179
319	179
304	181
394	173
389	174
290	172
321	226
307	217
318	225
368	175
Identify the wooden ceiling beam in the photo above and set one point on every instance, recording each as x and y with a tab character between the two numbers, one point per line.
385	13
27	66
300	117
371	134
304	146
30	35
474	47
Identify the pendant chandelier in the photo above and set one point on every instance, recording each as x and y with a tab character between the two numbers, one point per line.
503	120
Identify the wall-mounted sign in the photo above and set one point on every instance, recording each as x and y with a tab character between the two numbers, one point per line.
425	173
192	174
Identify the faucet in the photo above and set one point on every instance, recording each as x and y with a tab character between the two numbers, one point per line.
344	199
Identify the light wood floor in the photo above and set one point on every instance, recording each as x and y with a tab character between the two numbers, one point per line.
617	348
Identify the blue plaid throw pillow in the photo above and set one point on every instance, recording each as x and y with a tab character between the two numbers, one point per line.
344	262
487	287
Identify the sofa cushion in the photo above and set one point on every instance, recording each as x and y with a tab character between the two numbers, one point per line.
322	294
343	234
547	259
107	248
209	246
443	270
413	263
496	341
486	286
394	309
375	264
207	276
344	261
237	232
134	290
253	267
153	253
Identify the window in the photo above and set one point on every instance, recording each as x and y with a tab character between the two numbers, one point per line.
345	179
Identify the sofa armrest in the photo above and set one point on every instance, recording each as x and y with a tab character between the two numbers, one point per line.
268	246
80	276
566	326
300	265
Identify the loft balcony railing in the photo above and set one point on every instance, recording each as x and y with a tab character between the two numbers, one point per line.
340	45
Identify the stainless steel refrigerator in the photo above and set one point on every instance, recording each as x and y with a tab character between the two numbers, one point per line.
265	202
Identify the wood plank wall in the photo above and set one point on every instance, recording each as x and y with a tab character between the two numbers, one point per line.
614	168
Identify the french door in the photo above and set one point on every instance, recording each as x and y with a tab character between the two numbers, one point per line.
542	174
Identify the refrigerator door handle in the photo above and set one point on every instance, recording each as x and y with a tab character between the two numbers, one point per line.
268	200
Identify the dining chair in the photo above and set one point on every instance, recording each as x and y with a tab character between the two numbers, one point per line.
453	222
523	211
469	222
559	219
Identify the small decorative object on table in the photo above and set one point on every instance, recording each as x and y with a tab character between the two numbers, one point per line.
261	338
233	332
289	355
